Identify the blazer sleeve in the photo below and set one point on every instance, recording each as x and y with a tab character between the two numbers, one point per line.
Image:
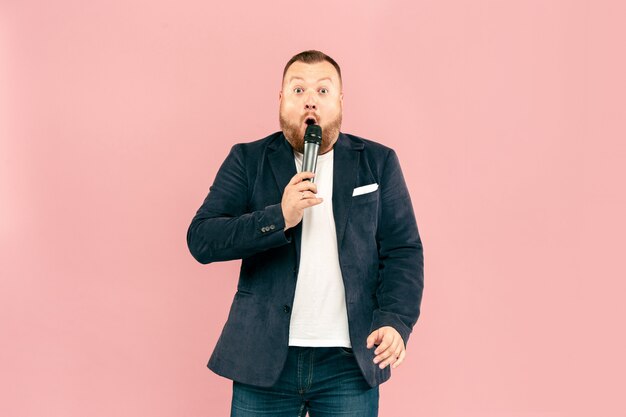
401	259
223	229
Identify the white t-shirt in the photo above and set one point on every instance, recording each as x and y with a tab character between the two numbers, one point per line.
319	316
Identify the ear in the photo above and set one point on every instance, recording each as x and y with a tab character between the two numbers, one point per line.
280	95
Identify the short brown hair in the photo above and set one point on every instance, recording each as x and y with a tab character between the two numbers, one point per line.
312	57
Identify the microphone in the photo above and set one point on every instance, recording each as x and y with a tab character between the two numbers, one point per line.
312	141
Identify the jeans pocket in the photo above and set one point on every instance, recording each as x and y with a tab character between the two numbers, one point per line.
346	351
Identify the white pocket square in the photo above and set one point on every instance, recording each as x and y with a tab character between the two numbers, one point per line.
365	189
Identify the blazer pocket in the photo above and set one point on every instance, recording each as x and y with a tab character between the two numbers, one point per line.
364	198
365	189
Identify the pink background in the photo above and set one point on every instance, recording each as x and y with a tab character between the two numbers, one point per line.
508	117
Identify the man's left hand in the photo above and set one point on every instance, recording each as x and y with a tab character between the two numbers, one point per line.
391	349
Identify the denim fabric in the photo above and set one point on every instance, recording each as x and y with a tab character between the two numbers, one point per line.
323	381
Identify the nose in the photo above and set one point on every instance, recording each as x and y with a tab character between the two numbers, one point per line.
309	103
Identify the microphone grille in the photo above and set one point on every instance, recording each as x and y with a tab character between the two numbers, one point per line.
313	134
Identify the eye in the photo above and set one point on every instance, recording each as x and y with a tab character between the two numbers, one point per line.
324	90
298	90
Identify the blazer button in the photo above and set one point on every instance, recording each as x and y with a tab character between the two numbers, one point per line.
263	229
272	227
286	308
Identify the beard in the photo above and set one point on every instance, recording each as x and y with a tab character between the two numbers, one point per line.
294	133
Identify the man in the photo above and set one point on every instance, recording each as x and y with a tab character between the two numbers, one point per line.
331	278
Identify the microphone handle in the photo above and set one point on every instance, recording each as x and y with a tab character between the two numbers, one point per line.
309	161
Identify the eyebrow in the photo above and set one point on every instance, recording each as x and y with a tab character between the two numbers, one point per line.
299	78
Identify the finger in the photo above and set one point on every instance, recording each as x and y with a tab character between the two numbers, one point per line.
398	351
308	202
305	194
372	339
383	358
388	353
392	353
300	176
387	341
400	358
395	356
389	361
384	363
306	185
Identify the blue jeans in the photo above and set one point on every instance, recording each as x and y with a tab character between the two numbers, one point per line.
323	381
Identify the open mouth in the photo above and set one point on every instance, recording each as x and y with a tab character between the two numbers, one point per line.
310	121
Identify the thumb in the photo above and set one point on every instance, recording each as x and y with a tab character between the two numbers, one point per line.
372	339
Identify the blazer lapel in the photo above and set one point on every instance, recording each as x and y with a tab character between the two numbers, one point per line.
282	161
345	169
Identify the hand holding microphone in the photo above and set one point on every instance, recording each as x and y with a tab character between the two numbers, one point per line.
300	192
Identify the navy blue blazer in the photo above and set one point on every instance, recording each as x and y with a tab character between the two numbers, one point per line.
380	252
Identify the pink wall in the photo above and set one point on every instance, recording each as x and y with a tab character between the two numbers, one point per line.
508	117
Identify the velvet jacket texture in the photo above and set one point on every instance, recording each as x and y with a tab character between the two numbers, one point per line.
380	252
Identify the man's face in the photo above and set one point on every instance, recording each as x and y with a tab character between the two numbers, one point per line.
311	90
